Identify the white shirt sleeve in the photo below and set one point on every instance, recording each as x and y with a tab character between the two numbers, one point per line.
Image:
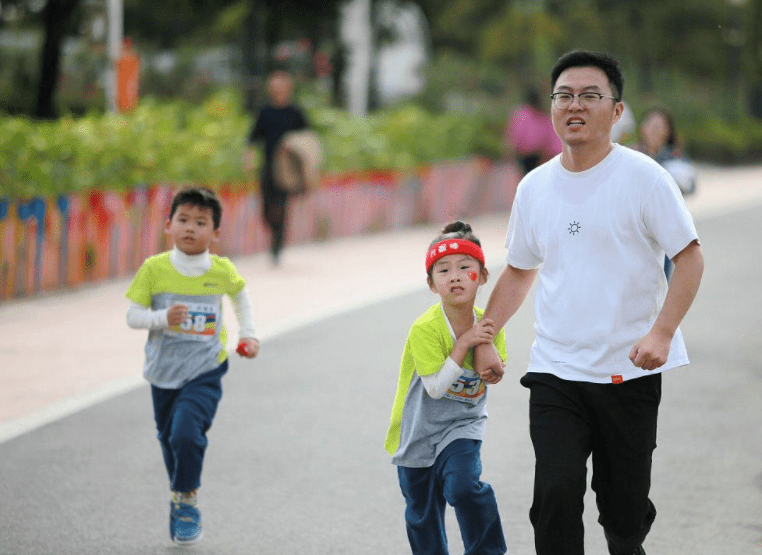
242	307
522	248
437	384
667	217
142	317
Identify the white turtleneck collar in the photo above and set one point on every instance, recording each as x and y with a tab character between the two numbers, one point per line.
190	265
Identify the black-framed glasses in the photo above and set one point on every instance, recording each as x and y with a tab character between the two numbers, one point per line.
563	100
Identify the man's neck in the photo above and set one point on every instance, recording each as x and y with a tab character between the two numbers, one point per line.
583	157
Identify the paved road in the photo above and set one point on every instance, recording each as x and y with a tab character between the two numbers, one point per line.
296	463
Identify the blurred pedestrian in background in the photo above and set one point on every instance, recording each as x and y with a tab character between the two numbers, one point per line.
623	129
274	121
658	136
659	139
529	135
127	77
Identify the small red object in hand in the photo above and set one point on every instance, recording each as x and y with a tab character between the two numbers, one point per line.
242	349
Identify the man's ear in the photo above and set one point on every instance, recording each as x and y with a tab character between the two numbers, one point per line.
618	111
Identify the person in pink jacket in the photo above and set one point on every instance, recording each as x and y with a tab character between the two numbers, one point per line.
529	135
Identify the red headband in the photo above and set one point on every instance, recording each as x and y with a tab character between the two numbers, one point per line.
453	246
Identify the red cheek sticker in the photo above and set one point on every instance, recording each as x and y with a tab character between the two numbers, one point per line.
473	275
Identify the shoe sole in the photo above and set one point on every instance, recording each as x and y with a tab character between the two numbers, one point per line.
187	543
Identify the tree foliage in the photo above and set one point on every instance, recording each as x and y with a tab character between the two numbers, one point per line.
173	23
719	40
697	37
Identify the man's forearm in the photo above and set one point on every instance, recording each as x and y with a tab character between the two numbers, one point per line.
509	293
684	284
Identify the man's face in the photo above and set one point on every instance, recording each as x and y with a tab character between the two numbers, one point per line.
579	125
280	88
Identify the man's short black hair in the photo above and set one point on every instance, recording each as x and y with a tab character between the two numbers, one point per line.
585	58
200	197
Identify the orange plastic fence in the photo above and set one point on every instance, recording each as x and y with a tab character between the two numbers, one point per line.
49	244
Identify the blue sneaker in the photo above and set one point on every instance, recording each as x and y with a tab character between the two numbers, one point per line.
184	522
172	524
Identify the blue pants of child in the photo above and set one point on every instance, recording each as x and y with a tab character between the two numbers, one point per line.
183	416
453	479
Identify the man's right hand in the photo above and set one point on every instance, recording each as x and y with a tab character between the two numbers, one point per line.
488	364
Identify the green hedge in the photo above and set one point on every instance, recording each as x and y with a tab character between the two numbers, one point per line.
723	142
177	142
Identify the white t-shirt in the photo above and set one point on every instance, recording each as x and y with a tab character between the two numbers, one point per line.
599	239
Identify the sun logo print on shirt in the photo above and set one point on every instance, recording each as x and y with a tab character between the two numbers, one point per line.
574	228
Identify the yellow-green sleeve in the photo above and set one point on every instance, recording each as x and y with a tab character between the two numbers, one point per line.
139	290
236	281
427	349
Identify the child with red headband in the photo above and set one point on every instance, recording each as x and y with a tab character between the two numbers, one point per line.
439	413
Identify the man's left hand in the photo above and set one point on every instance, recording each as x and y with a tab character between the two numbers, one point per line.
651	351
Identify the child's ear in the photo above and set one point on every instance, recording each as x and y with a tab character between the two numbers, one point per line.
430	283
484	276
216	235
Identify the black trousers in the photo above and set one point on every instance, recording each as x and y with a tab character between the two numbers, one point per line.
616	424
529	162
274	204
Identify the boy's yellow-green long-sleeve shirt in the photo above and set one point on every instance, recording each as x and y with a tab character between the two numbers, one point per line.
178	354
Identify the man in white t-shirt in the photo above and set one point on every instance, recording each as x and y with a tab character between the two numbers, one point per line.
595	223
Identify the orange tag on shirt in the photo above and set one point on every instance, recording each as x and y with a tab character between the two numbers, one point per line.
616	379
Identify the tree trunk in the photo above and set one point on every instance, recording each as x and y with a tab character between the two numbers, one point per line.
755	92
254	57
57	15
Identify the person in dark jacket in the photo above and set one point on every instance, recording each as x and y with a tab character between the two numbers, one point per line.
274	120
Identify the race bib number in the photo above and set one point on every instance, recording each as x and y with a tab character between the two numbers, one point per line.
469	389
201	323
